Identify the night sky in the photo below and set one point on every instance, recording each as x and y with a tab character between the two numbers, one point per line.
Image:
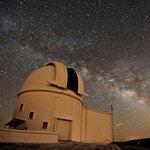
106	41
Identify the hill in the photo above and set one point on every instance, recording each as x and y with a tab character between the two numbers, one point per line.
138	144
59	146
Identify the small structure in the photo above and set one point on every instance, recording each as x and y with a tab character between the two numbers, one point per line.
50	102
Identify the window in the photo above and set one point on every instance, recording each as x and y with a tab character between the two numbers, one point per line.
31	115
21	107
45	124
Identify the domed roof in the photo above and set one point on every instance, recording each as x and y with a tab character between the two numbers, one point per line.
54	74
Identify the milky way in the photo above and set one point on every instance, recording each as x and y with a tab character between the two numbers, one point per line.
107	42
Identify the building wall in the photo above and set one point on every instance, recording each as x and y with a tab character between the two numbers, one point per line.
40	104
69	109
61	110
96	126
50	107
23	136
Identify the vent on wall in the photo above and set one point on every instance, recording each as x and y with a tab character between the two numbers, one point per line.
21	107
31	115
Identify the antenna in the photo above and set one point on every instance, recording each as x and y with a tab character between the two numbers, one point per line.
112	121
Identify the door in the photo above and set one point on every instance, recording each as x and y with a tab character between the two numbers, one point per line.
63	129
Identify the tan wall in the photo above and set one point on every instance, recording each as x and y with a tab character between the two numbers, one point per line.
85	125
22	136
70	109
96	126
48	106
39	103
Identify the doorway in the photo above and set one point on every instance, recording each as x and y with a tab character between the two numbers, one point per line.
63	129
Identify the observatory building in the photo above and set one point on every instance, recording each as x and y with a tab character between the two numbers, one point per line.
50	108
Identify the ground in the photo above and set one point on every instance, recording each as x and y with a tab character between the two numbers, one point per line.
129	145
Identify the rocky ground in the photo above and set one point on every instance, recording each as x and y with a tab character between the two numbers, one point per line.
69	146
59	146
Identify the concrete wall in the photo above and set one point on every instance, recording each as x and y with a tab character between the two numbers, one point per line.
85	125
48	106
96	127
39	103
70	109
24	136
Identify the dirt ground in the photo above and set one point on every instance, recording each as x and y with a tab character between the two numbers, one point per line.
59	146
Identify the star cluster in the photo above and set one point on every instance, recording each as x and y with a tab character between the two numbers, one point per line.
106	41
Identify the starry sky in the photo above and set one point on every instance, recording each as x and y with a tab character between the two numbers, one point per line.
106	41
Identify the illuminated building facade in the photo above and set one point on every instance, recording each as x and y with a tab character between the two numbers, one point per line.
51	101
